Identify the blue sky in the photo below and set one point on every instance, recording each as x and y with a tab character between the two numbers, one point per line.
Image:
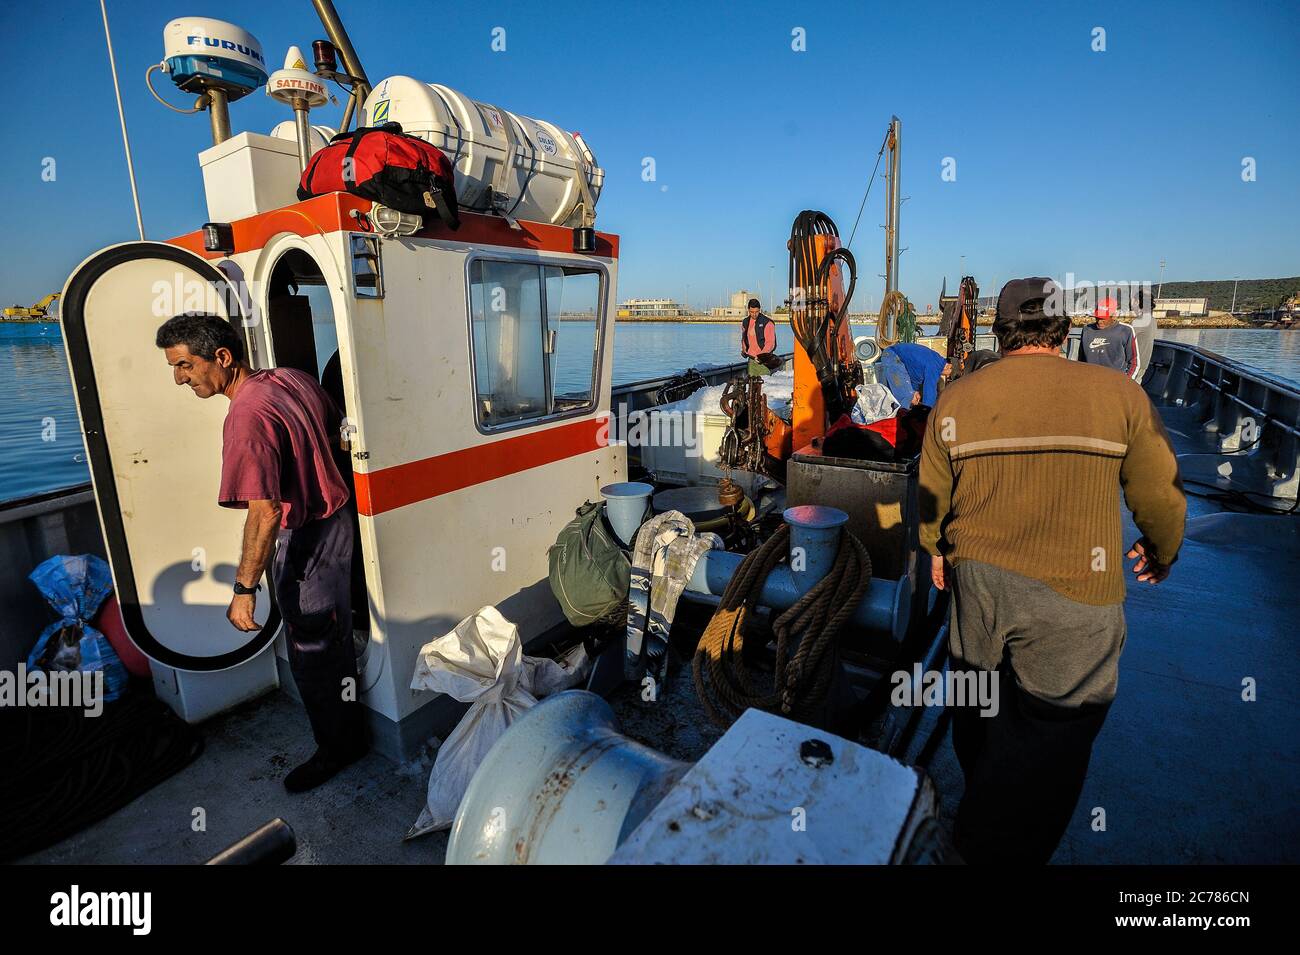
1067	160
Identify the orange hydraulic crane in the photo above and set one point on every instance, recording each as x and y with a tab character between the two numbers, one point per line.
826	370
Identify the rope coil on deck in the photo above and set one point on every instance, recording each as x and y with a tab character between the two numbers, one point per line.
802	678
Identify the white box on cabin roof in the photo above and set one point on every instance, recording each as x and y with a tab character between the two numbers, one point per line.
249	174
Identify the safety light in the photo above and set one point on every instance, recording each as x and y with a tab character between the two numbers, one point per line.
322	51
218	237
390	222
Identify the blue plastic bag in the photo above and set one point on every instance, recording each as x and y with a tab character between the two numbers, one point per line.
76	587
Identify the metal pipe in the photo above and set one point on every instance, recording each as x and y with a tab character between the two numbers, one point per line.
885	607
333	24
218	115
270	844
892	207
302	123
121	115
347	112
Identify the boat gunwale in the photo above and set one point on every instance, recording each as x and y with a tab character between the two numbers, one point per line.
1231	364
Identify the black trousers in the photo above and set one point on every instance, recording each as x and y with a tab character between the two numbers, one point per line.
1024	769
312	574
1056	663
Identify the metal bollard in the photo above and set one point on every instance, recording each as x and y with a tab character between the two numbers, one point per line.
885	607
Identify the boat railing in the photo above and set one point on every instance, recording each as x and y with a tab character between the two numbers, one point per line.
639	395
1252	416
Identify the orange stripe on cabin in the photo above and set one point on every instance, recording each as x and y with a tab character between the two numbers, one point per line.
390	488
328	213
333	213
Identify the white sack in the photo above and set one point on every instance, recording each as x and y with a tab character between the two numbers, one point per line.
481	662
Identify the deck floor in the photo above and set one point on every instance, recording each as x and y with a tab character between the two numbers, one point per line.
358	817
1186	771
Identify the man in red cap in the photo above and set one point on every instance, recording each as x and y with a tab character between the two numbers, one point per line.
1109	342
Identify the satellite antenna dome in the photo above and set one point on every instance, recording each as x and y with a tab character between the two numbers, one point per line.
297	83
202	54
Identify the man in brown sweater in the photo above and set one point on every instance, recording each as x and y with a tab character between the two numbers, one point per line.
1021	469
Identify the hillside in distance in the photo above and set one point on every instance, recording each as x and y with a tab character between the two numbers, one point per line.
1252	294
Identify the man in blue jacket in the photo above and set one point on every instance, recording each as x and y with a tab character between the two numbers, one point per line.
913	372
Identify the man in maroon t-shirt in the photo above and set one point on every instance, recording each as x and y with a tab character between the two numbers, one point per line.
276	462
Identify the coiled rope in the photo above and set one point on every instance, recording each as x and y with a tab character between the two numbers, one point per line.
889	330
806	635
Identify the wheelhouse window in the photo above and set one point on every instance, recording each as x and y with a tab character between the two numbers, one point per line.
535	340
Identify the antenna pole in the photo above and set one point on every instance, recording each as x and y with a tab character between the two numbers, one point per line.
218	114
126	142
892	203
338	36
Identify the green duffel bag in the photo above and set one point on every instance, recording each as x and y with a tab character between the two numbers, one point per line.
589	570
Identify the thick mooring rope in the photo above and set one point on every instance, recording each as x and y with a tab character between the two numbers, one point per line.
889	329
806	635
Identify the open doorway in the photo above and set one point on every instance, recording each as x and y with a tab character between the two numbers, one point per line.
301	316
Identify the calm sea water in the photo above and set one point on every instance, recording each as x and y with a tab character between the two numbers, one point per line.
40	437
40	440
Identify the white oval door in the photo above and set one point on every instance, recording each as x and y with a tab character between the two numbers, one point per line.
155	455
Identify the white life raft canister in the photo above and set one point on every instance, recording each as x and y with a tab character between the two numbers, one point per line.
515	165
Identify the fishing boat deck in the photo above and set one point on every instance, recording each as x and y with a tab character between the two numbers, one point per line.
1185	769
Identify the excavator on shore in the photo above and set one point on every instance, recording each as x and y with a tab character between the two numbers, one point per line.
43	310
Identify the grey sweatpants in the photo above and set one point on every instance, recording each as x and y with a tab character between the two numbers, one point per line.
1061	651
1057	666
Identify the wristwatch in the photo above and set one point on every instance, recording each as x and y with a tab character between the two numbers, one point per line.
242	590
